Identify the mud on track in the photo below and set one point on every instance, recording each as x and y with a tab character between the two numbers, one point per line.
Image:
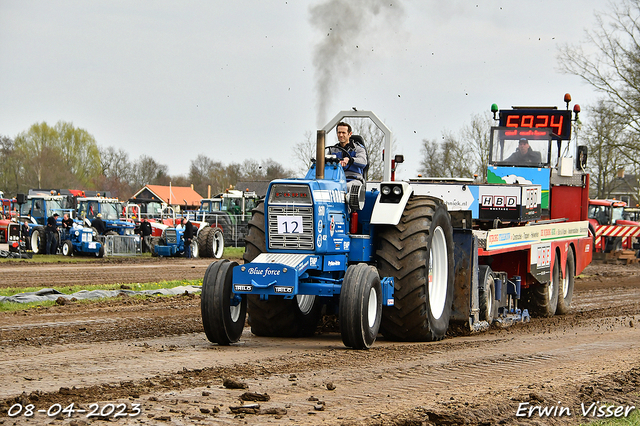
153	352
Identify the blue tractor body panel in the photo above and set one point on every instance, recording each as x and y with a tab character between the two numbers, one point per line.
308	244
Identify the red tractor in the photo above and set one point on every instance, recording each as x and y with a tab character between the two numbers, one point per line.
613	231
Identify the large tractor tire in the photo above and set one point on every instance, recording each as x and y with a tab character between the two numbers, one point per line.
223	314
488	305
38	241
277	316
565	293
542	299
360	306
203	249
215	242
418	254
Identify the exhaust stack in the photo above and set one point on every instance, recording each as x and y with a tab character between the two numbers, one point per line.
320	136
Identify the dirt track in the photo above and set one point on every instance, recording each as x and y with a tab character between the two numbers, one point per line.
153	352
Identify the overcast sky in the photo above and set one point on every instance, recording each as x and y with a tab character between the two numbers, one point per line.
237	80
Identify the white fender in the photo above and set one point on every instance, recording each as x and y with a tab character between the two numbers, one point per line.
387	210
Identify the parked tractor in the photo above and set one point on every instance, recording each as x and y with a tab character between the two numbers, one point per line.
229	211
80	239
209	242
110	208
36	209
408	258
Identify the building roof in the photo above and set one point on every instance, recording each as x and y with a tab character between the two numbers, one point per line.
172	195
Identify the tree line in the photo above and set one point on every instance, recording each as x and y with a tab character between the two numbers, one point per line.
63	156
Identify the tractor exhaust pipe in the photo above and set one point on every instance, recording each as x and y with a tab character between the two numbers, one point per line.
320	136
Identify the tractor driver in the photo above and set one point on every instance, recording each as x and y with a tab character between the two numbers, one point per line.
524	154
354	166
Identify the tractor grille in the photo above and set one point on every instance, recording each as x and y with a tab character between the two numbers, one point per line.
170	236
86	236
302	241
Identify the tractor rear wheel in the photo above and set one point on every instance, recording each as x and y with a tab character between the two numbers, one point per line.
223	313
215	242
38	241
418	254
565	293
67	248
543	298
277	316
360	306
488	306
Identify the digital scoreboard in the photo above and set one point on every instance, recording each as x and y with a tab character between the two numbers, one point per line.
559	121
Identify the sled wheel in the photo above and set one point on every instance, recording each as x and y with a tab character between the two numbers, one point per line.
544	297
488	306
360	306
67	248
223	313
565	295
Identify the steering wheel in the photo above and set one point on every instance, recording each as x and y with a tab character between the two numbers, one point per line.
343	150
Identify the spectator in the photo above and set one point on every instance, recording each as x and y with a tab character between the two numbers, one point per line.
67	222
24	230
51	232
145	232
189	233
98	224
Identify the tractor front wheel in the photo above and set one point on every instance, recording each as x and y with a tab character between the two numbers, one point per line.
38	241
67	248
360	306
223	313
215	242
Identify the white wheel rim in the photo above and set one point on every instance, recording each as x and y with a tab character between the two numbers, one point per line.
490	297
194	249
372	309
65	250
565	281
35	241
218	245
552	282
438	273
305	302
234	312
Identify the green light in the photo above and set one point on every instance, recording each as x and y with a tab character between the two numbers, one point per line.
494	108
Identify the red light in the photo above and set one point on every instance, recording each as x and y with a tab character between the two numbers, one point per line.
567	97
576	108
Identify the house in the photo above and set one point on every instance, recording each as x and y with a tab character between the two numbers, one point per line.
178	197
625	187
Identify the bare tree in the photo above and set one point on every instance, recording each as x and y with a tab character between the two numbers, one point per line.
604	135
610	63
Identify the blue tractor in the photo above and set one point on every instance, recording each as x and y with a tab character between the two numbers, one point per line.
110	209
80	239
313	242
36	209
